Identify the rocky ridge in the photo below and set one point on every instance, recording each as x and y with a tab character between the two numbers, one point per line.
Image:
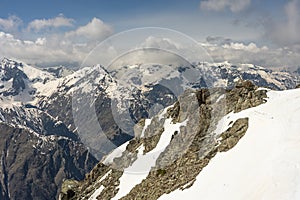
187	153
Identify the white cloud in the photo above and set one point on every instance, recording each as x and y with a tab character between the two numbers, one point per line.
219	5
47	51
12	23
251	47
94	30
134	48
59	21
54	48
238	52
41	41
73	46
32	52
160	43
286	32
181	47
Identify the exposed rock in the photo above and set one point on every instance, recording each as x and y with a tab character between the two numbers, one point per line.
244	95
232	136
29	171
18	77
189	151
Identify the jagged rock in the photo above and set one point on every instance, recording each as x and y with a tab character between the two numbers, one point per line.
232	136
190	150
69	190
138	128
244	95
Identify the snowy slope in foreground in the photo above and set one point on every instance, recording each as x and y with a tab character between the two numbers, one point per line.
265	164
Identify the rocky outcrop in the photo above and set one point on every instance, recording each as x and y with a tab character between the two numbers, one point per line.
233	134
188	152
14	74
244	95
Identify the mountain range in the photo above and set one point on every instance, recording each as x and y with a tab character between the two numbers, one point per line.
58	124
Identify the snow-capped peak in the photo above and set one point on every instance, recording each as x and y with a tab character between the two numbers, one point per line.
20	83
8	63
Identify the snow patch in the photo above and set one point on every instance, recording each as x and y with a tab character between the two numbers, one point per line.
134	174
116	153
147	123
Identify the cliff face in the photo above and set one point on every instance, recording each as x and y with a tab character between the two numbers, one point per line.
37	153
170	149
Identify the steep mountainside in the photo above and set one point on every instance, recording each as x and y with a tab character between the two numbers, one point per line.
37	150
210	140
33	166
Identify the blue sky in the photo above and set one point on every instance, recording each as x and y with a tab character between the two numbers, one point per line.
182	15
236	24
31	9
106	10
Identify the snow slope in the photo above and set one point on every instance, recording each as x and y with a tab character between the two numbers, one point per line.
139	170
265	164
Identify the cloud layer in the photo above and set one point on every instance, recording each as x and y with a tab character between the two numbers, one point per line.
286	32
279	30
12	23
59	21
239	52
219	5
60	40
94	30
47	49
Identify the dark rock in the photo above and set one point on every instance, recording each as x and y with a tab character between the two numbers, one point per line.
32	172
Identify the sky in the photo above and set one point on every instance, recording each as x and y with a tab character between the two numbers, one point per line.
49	33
